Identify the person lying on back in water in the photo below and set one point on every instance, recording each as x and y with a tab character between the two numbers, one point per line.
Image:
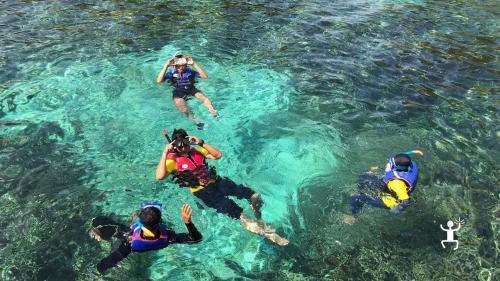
146	233
182	78
188	166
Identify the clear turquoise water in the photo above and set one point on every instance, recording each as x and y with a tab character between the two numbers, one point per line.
310	94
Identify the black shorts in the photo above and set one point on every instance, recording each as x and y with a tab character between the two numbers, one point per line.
371	185
184	93
215	195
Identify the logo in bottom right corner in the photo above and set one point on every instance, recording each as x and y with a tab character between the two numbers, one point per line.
450	233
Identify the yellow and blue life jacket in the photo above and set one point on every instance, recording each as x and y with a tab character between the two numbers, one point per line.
140	244
408	174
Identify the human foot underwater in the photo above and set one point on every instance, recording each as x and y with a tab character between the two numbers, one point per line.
183	80
188	167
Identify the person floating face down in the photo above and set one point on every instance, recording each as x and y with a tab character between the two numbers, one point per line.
182	78
188	166
146	233
393	192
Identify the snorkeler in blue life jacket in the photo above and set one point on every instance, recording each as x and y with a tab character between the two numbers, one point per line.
183	78
146	233
392	192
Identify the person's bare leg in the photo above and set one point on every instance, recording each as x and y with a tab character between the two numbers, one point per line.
182	107
256	204
254	227
207	103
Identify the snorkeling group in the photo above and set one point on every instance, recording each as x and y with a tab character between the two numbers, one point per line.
184	158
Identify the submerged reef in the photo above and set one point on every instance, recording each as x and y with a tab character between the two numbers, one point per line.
45	205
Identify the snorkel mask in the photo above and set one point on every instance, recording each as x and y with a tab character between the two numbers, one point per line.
180	60
156	205
180	145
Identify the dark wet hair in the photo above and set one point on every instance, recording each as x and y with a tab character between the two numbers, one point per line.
150	217
179	133
403	161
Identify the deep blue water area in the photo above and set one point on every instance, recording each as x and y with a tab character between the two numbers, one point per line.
311	94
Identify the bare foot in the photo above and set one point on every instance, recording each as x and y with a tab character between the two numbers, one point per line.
266	227
349	219
256	228
214	113
277	239
95	234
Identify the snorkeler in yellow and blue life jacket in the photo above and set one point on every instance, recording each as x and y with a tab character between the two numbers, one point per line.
146	233
393	192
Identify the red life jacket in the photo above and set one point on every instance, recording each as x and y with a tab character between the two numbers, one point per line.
192	170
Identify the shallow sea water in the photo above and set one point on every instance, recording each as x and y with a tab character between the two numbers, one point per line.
311	95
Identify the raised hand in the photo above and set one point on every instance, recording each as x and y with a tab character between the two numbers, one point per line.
170	62
186	213
169	148
194	140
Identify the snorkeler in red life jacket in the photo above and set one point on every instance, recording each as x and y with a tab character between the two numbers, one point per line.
188	166
146	233
183	78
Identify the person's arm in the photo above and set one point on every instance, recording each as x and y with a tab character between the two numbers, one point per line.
213	153
114	258
193	236
161	75
198	68
161	168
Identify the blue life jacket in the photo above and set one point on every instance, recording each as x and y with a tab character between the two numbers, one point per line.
410	177
184	81
139	244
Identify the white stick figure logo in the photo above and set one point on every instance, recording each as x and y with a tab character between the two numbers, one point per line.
450	233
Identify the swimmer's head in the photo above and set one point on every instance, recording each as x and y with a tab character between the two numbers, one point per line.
402	162
150	217
179	133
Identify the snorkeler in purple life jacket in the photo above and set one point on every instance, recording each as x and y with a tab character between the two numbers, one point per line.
183	78
146	233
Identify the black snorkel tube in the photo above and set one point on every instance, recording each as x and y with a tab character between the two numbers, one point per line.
165	133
